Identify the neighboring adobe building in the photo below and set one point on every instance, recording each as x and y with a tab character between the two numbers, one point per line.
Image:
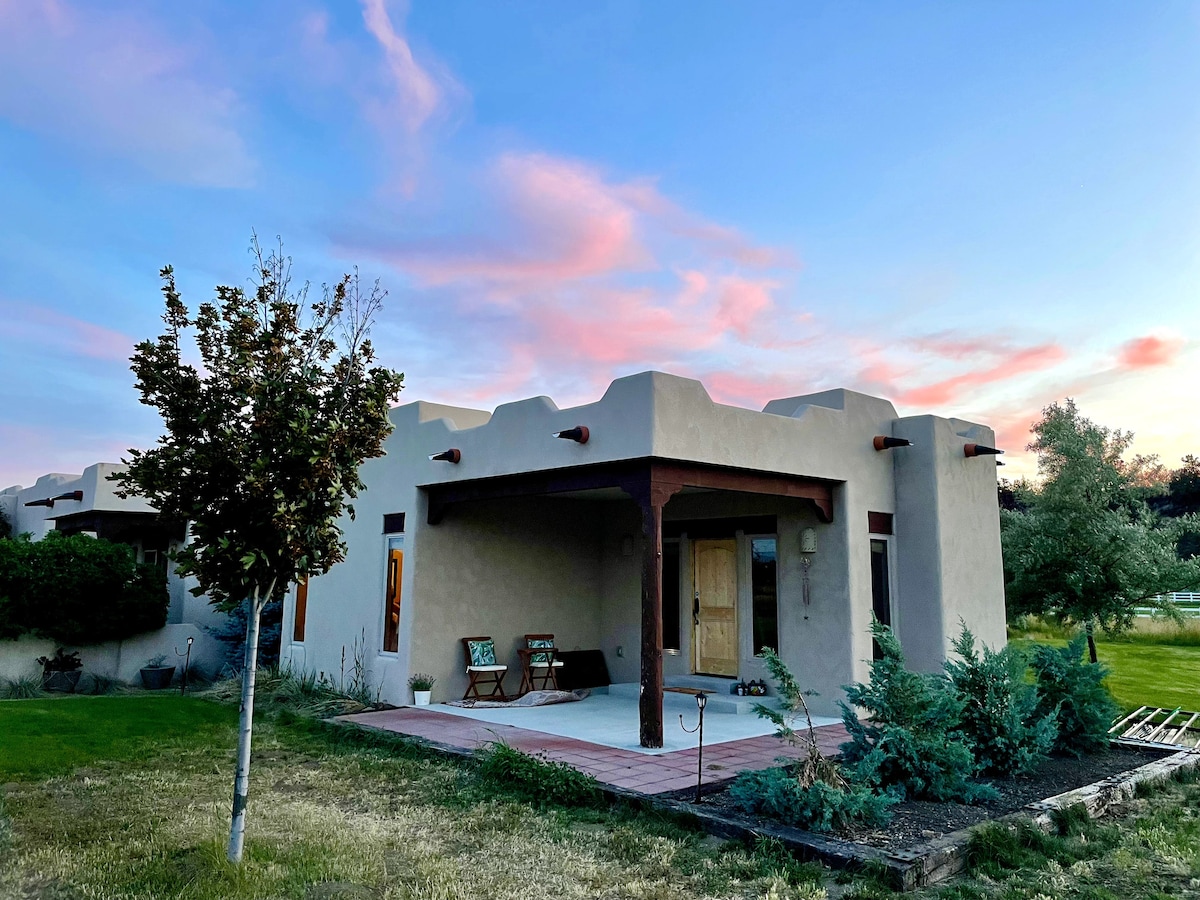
88	504
677	535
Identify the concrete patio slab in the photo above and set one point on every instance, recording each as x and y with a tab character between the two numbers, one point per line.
611	720
622	767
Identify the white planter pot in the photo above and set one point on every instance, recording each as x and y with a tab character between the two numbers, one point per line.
421	698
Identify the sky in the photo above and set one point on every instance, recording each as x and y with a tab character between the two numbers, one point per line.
970	209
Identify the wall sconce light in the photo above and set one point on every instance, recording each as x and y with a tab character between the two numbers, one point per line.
808	546
579	434
451	456
970	450
883	442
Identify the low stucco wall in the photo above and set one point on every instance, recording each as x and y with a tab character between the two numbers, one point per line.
118	659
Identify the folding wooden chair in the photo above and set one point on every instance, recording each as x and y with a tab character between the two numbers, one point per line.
539	663
482	669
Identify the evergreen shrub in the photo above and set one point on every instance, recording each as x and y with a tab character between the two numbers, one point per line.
1001	721
819	806
1074	692
912	741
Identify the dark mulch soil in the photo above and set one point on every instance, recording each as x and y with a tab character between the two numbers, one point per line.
918	821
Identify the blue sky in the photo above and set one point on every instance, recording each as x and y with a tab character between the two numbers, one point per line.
971	209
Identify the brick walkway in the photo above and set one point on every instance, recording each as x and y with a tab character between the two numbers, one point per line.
647	774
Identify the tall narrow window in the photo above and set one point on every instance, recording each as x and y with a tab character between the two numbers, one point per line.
670	596
391	611
301	612
881	590
764	588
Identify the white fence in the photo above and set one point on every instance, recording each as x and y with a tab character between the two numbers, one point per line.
1188	603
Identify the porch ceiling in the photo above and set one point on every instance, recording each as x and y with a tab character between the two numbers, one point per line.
631	478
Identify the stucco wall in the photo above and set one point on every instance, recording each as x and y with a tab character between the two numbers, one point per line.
118	659
948	538
944	556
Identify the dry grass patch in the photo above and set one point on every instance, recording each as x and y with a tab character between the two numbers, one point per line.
329	818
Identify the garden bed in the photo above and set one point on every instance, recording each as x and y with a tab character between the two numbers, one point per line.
938	849
918	821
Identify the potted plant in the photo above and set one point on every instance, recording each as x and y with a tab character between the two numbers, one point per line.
422	688
156	675
61	671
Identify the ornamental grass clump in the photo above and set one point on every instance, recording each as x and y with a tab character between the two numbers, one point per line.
1006	727
912	740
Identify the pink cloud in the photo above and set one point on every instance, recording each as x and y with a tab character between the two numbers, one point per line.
419	94
1010	365
57	332
756	390
117	85
557	221
1148	352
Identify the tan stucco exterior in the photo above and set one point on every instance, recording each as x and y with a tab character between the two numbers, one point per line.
571	563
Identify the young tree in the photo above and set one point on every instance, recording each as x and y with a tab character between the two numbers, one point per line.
263	443
1088	550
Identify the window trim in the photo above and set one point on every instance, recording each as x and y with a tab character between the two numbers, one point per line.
384	607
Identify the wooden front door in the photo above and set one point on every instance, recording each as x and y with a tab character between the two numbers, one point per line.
714	610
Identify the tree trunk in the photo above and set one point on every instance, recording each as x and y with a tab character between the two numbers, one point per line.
241	782
1090	628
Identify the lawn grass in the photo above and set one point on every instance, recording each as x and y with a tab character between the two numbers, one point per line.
339	812
54	735
1156	664
334	812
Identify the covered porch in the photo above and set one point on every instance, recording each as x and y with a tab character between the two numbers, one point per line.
639	492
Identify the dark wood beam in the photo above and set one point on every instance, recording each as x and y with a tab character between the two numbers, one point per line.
626	474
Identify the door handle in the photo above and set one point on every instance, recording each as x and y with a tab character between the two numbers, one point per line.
696	609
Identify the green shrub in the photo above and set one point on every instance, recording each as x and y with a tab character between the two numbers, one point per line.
1000	718
779	794
78	590
1075	692
535	780
912	741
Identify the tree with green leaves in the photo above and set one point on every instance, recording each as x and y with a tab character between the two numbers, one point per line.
1088	550
263	442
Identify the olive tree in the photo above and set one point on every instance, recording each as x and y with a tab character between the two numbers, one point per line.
262	444
1086	549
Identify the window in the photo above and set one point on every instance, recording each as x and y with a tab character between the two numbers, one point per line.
393	523
157	559
670	596
301	612
881	590
764	588
391	603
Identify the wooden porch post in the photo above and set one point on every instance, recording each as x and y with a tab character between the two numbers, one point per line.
650	716
652	499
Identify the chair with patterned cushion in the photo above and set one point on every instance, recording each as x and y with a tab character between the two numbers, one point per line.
539	663
482	669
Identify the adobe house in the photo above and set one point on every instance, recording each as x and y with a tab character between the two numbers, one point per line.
87	503
677	535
